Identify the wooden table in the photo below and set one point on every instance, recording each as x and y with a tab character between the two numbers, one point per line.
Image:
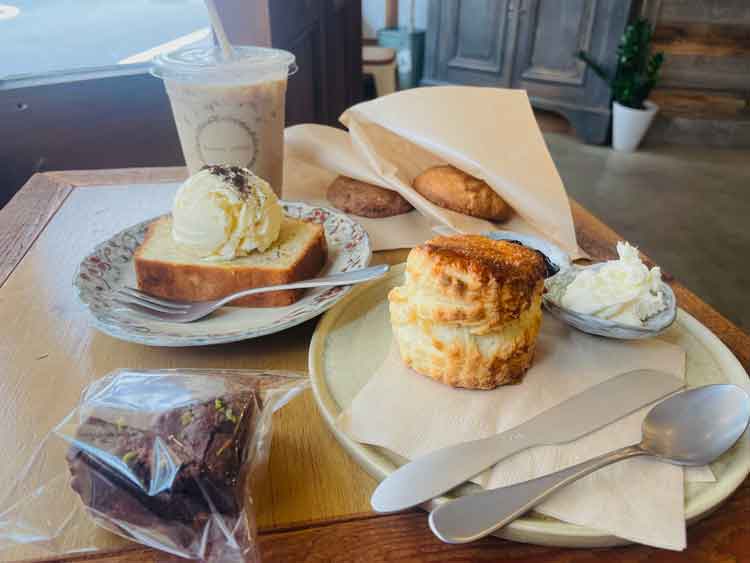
314	503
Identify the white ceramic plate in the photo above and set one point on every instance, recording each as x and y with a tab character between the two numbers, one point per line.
353	338
110	266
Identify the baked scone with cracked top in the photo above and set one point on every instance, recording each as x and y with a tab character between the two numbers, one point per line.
469	311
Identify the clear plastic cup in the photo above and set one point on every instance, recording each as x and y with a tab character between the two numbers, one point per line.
229	111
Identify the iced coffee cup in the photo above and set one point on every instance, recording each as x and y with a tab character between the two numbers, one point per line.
229	111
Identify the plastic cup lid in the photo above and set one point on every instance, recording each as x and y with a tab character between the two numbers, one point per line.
207	64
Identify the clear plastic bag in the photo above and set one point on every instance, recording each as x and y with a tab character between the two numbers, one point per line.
165	458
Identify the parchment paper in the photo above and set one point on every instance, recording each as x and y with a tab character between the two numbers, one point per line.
306	182
490	133
639	499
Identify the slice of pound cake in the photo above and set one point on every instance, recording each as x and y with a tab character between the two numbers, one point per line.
165	269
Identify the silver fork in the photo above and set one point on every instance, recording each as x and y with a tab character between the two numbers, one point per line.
186	312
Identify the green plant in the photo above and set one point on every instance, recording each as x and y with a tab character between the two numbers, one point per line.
637	70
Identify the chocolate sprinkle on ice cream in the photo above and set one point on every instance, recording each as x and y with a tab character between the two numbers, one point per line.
240	178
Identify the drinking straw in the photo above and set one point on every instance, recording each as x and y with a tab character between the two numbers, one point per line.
221	35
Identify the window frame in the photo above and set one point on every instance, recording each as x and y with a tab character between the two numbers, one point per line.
71	75
28	141
247	23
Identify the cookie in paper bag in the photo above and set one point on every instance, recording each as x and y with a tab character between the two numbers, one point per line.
366	200
456	190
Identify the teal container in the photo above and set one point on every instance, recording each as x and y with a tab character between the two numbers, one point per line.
409	46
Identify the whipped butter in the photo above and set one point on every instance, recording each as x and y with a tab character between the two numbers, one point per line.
225	212
623	290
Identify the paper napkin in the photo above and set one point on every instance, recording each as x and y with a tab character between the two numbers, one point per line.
639	499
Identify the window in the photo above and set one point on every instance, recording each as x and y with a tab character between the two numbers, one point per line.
47	36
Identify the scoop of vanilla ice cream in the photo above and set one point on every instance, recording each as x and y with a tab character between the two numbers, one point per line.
224	212
623	290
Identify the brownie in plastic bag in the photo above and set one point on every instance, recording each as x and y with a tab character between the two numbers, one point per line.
164	458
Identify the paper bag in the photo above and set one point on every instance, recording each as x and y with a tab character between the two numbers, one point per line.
489	133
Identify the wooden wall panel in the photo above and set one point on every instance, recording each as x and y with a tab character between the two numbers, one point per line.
706	43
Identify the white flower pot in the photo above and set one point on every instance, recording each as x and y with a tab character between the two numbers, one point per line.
630	125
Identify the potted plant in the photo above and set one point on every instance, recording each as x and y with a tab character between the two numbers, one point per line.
635	76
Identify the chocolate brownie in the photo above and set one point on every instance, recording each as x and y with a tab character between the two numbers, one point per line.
168	477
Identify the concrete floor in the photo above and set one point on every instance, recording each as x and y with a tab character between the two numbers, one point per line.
688	208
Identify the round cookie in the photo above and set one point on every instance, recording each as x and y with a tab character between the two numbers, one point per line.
456	190
365	200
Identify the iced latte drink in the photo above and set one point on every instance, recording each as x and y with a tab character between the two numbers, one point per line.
229	111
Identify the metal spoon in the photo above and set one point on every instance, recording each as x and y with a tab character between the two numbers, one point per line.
692	427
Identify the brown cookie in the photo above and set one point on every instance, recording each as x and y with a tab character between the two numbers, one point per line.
365	200
456	190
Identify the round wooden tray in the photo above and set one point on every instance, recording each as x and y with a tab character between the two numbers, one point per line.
352	340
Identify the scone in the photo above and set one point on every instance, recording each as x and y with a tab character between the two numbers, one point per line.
364	199
456	190
469	311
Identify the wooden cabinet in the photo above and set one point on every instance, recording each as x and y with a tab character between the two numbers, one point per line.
530	44
326	38
475	41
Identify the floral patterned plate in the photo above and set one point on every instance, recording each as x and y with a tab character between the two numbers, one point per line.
110	266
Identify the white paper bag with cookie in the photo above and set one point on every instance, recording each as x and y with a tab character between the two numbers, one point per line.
489	134
316	155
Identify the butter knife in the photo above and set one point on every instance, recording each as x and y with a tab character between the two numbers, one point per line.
437	472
